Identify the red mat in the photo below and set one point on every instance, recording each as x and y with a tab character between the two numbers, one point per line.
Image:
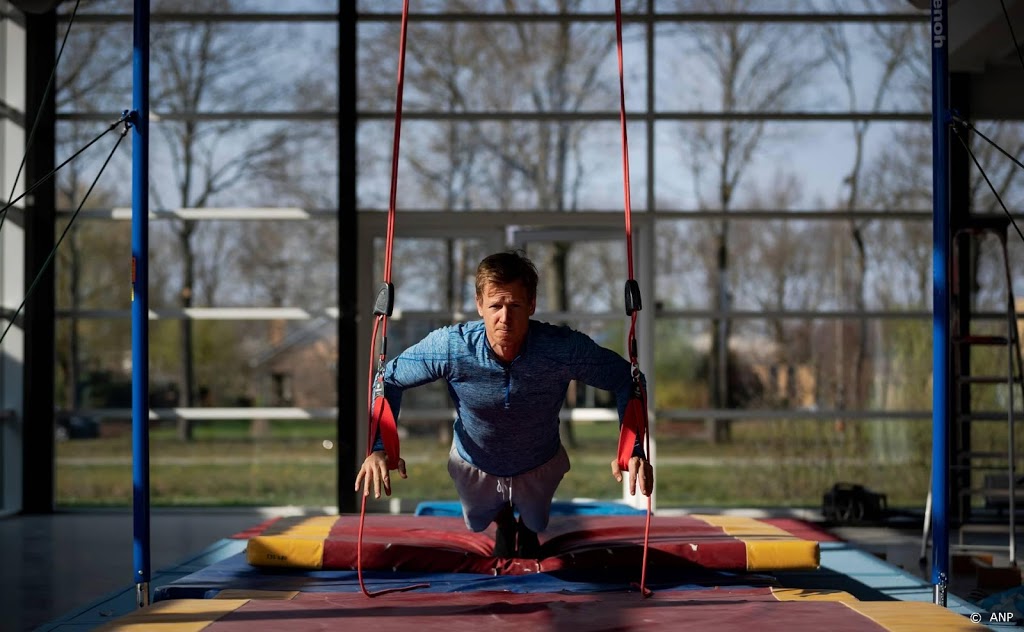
443	544
722	610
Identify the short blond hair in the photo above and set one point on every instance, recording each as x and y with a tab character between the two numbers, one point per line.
504	268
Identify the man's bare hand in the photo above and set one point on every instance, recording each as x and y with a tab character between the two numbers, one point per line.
374	473
640	472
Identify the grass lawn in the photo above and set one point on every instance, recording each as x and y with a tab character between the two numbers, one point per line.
765	464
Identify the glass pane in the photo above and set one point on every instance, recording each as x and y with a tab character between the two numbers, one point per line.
792	165
257	66
248	460
433	274
501	166
707	460
797	364
790	462
210	161
815	66
544	67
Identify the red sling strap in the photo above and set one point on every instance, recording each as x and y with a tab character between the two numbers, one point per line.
634	428
382	419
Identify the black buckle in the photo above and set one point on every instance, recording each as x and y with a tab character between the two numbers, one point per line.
385	302
633	302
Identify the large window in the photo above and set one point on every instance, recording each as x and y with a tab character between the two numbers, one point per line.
780	179
243	256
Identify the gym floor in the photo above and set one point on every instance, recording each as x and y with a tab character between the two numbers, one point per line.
53	564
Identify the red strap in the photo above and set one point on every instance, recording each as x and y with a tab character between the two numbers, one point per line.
383	420
381	416
633	430
634	423
625	142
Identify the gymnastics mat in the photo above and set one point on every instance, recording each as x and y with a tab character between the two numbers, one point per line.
721	610
235	572
592	542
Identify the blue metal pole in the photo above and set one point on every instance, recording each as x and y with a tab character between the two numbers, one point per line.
140	300
940	298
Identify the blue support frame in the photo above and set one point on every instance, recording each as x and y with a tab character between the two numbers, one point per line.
140	301
940	298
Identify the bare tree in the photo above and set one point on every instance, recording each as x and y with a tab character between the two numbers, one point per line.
733	59
890	45
780	261
203	66
86	274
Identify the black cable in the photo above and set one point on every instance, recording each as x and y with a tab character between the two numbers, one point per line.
53	251
989	182
1009	23
3	211
966	124
35	122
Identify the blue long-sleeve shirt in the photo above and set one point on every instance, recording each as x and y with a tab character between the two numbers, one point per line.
507	413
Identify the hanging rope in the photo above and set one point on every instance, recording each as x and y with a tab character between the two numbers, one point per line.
959	122
634	428
35	123
992	187
53	251
53	172
382	419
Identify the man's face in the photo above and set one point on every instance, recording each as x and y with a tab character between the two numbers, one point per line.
506	310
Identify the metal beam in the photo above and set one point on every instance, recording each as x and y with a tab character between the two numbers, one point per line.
139	275
940	299
438	217
777	17
524	116
38	484
348	375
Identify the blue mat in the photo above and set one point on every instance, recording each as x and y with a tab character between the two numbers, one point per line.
236	573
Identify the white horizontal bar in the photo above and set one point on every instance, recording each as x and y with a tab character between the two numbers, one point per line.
426	219
209	313
218	414
422	415
207	213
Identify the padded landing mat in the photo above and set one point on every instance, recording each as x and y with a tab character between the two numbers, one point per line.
236	573
443	544
722	610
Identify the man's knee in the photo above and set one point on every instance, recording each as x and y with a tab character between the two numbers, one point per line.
478	518
536	519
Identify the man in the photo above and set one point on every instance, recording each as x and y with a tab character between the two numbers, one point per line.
507	376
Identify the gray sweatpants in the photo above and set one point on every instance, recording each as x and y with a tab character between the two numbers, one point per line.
483	495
